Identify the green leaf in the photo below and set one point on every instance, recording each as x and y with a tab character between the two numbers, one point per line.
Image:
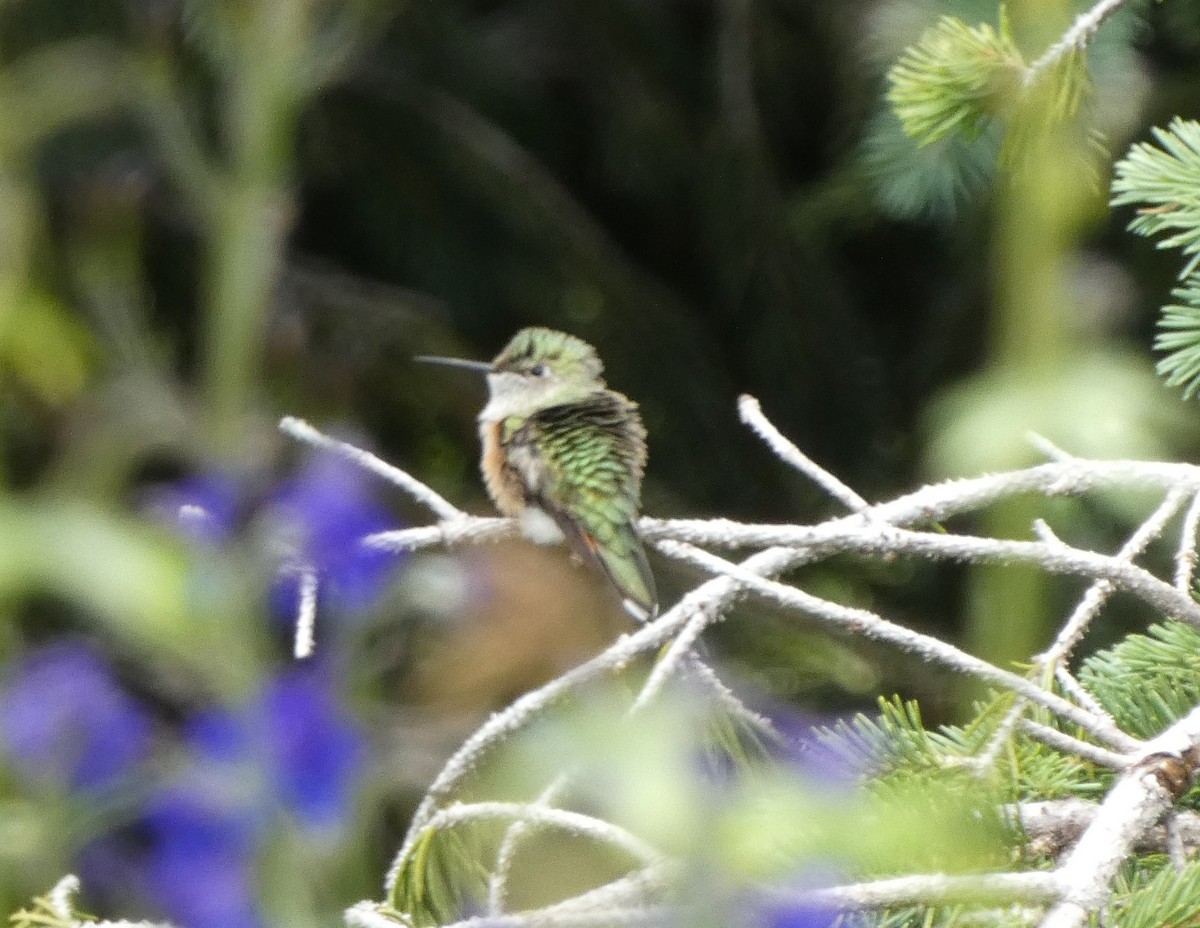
135	579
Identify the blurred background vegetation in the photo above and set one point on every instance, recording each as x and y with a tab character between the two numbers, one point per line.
217	212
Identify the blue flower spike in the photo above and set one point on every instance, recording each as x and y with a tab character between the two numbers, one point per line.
65	719
320	520
290	754
311	528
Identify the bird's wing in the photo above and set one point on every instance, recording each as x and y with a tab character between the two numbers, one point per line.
595	452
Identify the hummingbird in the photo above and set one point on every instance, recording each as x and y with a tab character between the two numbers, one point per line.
564	455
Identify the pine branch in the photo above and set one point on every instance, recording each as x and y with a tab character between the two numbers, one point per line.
1153	772
933	889
544	816
954	79
927	647
1055	825
1162	181
752	414
1179	335
301	431
1076	38
957	78
1146	791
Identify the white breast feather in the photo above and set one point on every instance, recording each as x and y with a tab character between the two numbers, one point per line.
538	527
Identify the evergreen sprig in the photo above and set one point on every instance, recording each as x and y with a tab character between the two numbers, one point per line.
954	79
1179	336
1169	897
1147	681
1163	181
442	877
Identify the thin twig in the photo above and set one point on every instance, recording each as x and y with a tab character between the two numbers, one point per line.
1176	851
752	414
1043	531
929	889
498	881
1069	745
630	917
843	536
1076	691
534	815
1185	557
680	647
932	649
756	722
303	432
306	612
1048	448
465	530
1076	38
1100	591
59	897
641	888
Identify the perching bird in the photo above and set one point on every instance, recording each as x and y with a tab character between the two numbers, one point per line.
564	455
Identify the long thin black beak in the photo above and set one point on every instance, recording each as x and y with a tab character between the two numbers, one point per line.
481	366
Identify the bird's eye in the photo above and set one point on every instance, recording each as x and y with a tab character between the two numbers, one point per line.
539	370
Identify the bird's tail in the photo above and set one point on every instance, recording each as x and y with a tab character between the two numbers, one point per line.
627	568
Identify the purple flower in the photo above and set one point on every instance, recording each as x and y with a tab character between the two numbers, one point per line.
314	752
311	524
200	863
796	915
290	751
320	518
206	508
64	718
789	909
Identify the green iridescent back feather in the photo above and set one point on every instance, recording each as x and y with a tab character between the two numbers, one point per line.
595	452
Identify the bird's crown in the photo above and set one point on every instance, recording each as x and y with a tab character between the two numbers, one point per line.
538	351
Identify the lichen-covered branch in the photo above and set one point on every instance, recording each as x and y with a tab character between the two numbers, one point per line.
1150	773
1147	790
